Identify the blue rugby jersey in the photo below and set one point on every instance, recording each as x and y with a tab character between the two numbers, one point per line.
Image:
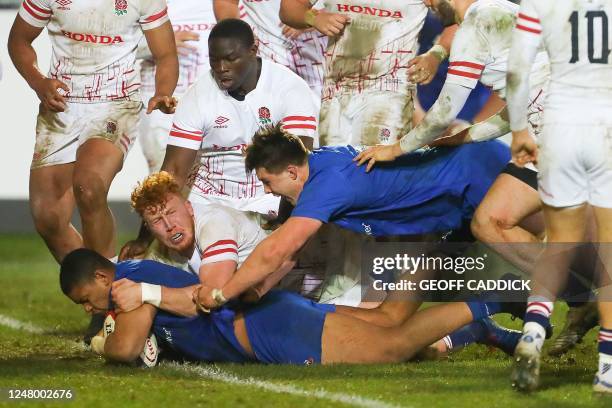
425	191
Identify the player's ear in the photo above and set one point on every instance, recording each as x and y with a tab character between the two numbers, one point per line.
293	171
189	207
102	276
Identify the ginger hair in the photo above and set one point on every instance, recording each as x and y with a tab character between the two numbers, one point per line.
152	192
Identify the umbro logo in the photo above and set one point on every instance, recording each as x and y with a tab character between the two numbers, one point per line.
221	121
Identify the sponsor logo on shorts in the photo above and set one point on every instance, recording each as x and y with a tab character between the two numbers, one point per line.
366	228
64	4
309	361
264	116
92	38
121	7
372	11
220	122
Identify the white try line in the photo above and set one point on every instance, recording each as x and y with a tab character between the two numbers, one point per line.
215	373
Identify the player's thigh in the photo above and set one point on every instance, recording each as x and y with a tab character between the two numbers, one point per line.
347	339
511	198
382	117
105	142
565	224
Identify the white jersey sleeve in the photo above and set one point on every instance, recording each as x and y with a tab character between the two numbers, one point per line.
153	13
469	53
526	40
36	12
217	236
446	108
188	122
300	116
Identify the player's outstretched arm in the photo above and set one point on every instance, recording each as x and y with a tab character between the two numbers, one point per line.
25	60
129	295
226	9
163	48
265	260
126	342
178	162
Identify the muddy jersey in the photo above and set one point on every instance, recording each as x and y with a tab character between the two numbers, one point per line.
94	42
220	127
186	15
374	50
481	47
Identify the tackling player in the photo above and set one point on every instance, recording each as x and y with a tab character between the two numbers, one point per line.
574	158
192	21
89	109
439	191
264	332
299	50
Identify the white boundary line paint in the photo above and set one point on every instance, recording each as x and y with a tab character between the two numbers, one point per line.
216	374
19	325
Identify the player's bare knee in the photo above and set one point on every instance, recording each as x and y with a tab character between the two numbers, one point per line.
487	226
90	193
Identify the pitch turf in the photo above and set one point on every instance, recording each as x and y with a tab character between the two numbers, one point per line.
475	377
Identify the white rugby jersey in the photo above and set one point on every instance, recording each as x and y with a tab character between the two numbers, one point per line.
481	46
374	50
578	39
220	127
185	15
94	42
224	234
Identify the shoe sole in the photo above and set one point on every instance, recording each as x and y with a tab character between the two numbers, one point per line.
526	373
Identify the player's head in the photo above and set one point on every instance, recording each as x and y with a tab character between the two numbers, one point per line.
232	53
166	213
444	10
86	278
280	161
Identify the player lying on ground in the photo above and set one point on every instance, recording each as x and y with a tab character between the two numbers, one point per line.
283	328
511	211
427	192
575	150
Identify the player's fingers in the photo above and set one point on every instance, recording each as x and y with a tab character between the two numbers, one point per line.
370	164
55	105
152	105
60	84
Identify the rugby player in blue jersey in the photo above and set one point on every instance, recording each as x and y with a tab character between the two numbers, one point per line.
282	328
427	191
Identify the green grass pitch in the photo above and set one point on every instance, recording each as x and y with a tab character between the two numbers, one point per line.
475	377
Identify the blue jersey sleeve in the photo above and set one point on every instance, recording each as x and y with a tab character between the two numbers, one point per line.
155	273
324	197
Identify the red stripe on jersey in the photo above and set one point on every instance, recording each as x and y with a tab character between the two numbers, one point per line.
221	242
466	64
220	251
464	74
525	28
193	132
39	9
526	17
32	13
300	126
157	16
185	136
310	118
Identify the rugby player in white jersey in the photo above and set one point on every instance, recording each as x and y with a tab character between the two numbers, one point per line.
573	156
299	50
89	109
480	52
192	21
219	115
